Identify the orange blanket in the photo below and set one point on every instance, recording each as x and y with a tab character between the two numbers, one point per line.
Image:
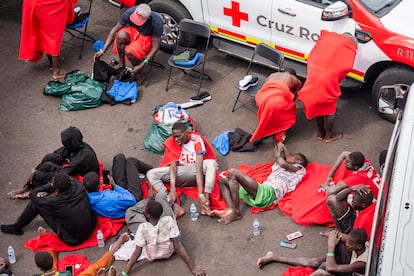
109	228
43	27
330	60
277	110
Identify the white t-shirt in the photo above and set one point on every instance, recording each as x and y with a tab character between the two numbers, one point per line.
361	258
191	149
156	239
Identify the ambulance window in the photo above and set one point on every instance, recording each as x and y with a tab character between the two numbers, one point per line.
318	3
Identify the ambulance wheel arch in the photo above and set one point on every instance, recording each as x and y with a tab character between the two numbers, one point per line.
399	76
172	13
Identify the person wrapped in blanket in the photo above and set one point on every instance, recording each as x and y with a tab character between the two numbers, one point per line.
59	203
75	158
47	262
287	172
347	255
189	161
137	37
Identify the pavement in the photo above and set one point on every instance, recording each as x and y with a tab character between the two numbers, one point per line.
30	126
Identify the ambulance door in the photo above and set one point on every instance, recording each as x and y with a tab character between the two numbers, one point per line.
238	19
297	25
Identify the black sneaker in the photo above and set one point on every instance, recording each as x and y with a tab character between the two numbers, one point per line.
248	81
203	96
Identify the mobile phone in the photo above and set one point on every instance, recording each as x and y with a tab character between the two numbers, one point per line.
287	244
69	268
294	235
105	176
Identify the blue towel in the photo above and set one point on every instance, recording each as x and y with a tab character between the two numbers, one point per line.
122	91
221	142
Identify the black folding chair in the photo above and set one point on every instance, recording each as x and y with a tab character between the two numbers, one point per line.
189	28
265	55
79	27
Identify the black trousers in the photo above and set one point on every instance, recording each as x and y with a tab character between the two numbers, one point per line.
126	173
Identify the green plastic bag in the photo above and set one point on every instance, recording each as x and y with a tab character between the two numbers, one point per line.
158	133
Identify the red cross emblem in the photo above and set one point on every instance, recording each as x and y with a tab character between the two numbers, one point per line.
236	14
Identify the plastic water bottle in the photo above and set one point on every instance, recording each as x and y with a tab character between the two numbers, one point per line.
100	238
193	212
256	227
10	253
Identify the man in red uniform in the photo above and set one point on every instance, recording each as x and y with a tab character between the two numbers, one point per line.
189	161
43	27
350	169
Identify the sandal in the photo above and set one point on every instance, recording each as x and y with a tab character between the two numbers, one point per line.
336	136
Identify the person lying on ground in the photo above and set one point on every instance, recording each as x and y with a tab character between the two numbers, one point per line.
47	262
276	103
287	172
189	161
346	254
63	205
75	158
349	209
108	203
158	239
358	170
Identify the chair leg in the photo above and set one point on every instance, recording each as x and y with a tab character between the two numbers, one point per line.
235	102
168	80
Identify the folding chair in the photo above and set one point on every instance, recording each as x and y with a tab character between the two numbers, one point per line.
151	63
265	55
189	28
79	27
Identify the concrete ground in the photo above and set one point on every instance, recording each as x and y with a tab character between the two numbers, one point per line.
30	126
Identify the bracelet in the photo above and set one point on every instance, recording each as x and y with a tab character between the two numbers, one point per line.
146	61
330	254
277	154
101	51
200	195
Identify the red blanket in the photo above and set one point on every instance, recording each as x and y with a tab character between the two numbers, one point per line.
305	204
277	110
109	228
172	153
365	218
43	27
330	60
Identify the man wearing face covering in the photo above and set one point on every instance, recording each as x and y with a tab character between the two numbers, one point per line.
74	158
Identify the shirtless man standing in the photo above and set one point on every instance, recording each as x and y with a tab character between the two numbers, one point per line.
276	103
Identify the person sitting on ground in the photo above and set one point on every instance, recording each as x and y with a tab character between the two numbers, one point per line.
108	203
47	261
189	161
287	172
158	239
139	41
5	269
277	108
349	209
64	206
358	170
321	89
75	158
347	253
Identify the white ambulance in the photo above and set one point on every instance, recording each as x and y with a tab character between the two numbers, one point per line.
384	29
392	237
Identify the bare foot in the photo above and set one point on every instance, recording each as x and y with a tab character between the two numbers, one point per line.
333	137
265	259
59	75
13	194
112	271
233	216
178	211
221	213
101	272
25	195
41	230
124	237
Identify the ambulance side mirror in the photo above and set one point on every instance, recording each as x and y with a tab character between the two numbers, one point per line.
335	11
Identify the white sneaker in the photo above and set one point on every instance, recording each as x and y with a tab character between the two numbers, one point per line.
248	81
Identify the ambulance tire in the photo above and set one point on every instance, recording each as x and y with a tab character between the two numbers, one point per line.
172	13
396	75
